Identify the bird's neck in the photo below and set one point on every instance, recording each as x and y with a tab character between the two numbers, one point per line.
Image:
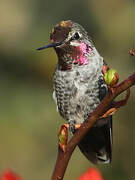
75	56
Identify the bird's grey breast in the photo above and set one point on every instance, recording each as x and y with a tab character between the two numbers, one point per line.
76	91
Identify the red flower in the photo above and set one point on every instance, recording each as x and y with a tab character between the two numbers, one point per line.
10	175
91	174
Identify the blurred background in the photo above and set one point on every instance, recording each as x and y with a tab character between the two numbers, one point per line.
28	119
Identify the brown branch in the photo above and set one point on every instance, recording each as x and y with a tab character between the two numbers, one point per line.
63	157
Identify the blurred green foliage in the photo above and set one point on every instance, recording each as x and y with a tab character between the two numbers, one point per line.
28	119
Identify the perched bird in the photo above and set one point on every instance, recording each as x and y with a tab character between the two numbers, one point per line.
79	87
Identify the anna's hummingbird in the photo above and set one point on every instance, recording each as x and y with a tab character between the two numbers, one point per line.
79	87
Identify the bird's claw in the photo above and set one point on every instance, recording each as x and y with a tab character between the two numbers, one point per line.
71	126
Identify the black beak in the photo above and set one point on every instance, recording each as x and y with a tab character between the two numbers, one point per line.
54	44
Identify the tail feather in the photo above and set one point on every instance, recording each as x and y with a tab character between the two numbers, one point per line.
97	143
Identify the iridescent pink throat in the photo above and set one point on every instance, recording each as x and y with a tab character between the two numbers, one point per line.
80	57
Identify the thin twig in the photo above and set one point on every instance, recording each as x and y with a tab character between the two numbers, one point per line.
64	157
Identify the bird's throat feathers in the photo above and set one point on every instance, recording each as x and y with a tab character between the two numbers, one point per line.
81	53
77	54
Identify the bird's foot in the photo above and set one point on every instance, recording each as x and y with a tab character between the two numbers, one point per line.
73	126
63	133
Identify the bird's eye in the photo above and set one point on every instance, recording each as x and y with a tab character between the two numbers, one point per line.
76	36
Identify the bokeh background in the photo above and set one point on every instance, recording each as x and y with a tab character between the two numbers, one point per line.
28	119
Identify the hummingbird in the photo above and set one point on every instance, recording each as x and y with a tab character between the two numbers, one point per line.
79	87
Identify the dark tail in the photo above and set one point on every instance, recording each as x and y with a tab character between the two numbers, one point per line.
97	143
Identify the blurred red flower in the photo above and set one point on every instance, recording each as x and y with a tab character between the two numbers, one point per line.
91	174
10	175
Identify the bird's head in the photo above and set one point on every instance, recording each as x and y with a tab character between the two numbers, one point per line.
71	42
